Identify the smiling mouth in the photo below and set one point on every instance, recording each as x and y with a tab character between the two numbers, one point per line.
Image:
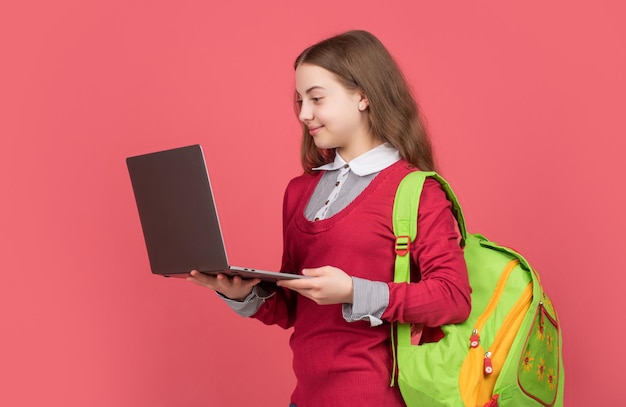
314	130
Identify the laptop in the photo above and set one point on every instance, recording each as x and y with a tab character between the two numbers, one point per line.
178	216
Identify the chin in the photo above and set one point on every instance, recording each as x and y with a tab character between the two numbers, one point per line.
324	145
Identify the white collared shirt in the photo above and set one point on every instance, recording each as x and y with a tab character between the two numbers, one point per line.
375	160
343	182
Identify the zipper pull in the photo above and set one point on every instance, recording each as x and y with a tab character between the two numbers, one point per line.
488	367
474	339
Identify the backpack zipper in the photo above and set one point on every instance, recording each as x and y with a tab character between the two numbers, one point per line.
470	378
520	307
491	306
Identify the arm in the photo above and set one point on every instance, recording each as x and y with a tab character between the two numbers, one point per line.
442	296
265	302
280	308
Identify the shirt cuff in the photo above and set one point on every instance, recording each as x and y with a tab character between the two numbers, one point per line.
251	304
371	299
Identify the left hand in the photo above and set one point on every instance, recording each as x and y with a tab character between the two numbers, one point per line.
327	285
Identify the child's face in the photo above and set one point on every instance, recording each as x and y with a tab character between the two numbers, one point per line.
336	116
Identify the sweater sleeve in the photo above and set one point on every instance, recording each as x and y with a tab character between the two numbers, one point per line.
278	309
441	294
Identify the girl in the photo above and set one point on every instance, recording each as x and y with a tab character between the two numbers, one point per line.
361	136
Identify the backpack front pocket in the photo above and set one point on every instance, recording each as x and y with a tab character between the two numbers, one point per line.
538	371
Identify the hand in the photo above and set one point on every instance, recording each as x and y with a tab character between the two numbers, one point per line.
327	285
235	288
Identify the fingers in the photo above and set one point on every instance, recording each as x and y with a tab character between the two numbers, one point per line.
237	281
202	279
306	283
327	285
223	283
300	284
317	272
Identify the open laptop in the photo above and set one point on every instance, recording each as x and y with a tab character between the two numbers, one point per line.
179	218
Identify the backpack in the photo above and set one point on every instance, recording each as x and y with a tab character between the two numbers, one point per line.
508	353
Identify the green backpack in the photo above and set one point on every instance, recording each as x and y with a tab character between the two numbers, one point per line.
506	354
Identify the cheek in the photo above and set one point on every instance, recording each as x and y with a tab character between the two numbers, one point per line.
339	117
349	118
328	115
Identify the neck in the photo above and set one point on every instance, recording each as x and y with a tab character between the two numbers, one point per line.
350	152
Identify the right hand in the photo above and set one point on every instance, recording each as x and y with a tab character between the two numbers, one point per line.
235	288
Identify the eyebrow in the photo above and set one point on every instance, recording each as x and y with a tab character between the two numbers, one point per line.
312	88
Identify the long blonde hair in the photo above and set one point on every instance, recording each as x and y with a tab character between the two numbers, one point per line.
360	61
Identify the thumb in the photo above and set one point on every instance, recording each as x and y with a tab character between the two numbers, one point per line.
316	272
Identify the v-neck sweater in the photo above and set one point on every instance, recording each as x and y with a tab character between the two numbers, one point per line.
349	363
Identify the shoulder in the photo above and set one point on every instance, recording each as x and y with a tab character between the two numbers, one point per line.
432	195
431	186
435	210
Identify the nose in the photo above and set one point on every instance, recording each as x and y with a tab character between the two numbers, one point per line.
306	112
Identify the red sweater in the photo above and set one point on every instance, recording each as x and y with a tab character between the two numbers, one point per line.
339	363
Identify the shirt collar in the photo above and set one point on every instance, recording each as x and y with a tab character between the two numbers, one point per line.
375	160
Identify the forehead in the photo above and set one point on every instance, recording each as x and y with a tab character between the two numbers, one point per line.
312	76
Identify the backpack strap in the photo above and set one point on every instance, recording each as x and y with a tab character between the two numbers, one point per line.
405	221
456	208
405	208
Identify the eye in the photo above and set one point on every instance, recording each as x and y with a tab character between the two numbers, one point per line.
316	100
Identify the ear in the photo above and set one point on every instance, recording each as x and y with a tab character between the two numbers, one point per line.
363	102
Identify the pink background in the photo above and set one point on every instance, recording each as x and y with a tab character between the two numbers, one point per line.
524	102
